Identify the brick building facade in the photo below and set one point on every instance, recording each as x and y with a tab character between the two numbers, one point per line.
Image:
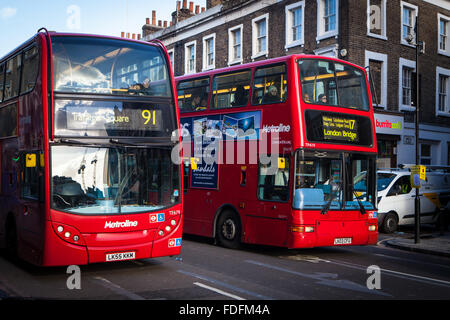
365	32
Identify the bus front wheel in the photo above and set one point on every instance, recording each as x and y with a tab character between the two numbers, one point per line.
229	230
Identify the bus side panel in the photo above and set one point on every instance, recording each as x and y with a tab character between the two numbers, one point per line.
265	231
8	189
31	208
199	219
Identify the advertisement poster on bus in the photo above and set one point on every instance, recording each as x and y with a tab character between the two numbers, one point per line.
206	132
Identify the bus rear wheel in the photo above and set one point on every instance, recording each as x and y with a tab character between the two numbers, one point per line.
229	230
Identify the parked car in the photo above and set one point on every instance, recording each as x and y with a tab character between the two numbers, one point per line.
396	197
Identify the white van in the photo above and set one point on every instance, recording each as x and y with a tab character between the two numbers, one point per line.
396	197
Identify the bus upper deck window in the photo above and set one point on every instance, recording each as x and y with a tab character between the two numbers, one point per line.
270	85
193	95
231	90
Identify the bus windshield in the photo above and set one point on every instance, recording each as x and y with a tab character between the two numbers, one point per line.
108	66
320	181
112	180
333	84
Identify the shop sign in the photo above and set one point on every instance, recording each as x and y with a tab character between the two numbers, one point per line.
388	124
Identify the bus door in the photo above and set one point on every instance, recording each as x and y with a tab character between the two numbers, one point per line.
32	201
271	220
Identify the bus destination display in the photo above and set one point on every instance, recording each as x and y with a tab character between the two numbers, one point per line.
340	128
337	128
94	118
110	118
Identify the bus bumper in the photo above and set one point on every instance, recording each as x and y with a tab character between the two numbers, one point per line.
334	233
108	247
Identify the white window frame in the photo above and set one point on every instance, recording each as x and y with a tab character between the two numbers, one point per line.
414	16
255	21
412	65
289	43
186	57
445	52
444	72
321	34
231	31
172	62
380	57
328	51
382	14
207	66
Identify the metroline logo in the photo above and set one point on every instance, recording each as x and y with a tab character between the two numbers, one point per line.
387	124
119	224
276	128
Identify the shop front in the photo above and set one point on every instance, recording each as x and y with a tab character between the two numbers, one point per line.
389	128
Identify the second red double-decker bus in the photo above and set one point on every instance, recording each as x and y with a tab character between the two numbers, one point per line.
283	153
86	127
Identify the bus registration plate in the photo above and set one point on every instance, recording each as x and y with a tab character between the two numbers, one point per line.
120	256
339	241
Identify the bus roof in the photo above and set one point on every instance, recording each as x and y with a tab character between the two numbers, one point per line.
263	63
66	34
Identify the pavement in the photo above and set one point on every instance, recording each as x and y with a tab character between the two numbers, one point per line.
436	242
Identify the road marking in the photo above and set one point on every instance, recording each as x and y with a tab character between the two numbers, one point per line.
225	285
118	289
396	273
413	261
302	257
326	279
219	291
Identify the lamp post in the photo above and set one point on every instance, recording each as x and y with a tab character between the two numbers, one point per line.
419	45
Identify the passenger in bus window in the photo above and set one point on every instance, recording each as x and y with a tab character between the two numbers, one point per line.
272	96
306	98
196	104
322	98
239	97
204	102
145	86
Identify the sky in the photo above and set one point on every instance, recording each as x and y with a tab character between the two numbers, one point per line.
20	19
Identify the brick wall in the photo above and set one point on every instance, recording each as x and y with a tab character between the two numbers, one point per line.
352	36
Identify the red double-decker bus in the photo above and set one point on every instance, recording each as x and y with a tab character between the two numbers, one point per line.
86	127
283	153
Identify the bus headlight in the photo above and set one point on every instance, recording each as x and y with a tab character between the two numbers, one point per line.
68	233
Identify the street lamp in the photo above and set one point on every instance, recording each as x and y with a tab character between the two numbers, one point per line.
419	45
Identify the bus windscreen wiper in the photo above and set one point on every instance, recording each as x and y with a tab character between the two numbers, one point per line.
361	206
327	206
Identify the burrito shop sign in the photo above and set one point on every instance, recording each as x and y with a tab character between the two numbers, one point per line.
388	124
